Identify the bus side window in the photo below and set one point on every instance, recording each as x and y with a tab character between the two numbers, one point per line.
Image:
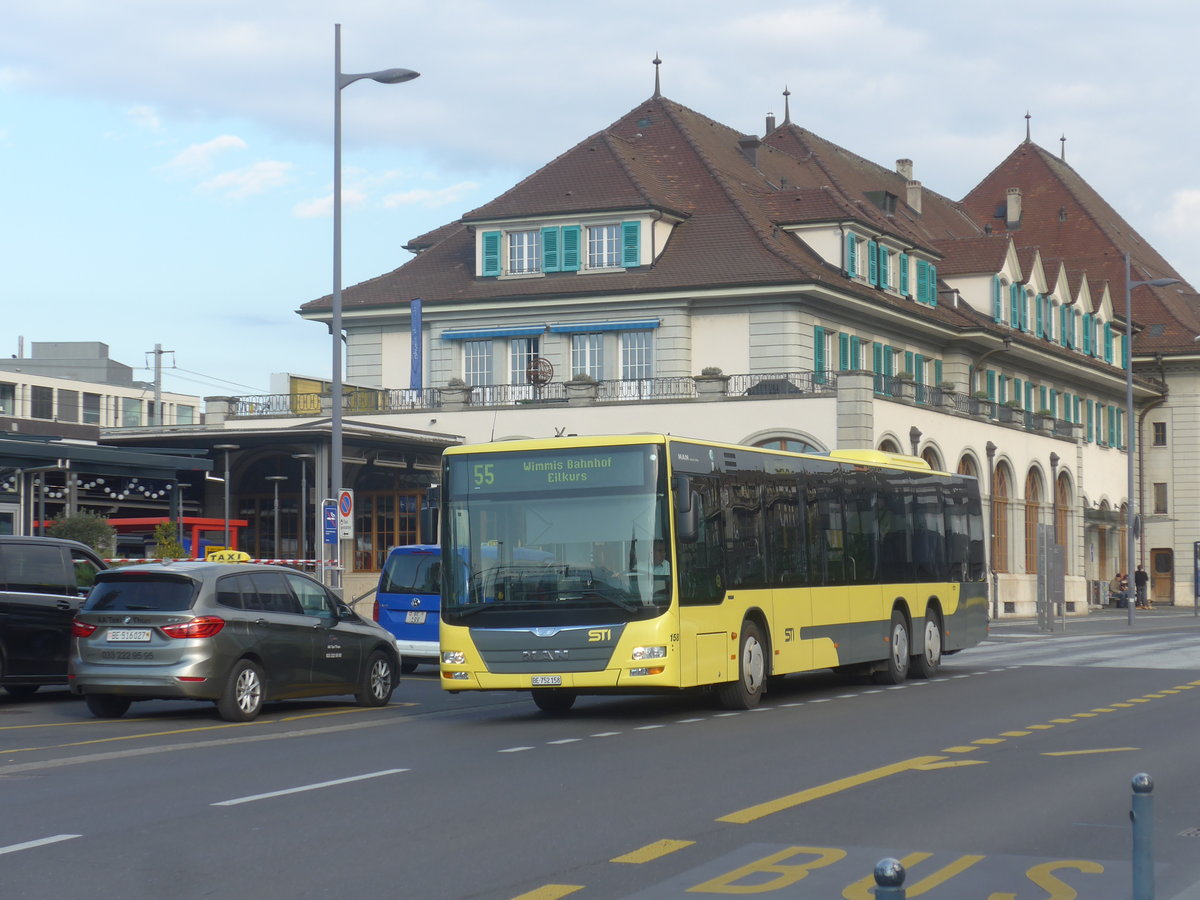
702	563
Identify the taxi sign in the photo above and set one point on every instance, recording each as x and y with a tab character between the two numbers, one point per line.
227	556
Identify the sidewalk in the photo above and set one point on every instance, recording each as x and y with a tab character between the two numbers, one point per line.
1101	620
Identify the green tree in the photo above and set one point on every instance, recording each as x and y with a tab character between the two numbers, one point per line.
86	528
166	541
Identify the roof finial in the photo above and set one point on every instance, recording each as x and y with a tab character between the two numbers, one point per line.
1027	118
1063	153
657	83
787	109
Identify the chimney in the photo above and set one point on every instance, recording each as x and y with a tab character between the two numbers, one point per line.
914	196
770	123
904	168
1013	215
750	145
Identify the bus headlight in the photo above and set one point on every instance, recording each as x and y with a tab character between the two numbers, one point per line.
658	670
454	658
649	653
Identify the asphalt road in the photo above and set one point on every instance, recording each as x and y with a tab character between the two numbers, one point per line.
1007	777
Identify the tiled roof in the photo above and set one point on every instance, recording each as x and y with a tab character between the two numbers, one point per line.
974	255
1067	219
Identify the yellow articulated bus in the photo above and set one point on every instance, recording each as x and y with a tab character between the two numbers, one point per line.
650	563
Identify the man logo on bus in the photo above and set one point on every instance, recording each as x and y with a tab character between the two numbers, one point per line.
543	655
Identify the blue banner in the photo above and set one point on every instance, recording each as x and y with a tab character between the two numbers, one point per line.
416	379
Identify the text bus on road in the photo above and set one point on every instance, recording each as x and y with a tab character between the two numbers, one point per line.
775	563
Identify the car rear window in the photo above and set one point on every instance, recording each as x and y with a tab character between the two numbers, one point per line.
139	593
415	573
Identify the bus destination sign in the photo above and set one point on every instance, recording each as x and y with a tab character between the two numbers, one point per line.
593	469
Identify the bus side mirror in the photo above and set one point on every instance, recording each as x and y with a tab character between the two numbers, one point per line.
687	511
429	524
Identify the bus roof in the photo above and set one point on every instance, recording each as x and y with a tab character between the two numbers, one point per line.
874	458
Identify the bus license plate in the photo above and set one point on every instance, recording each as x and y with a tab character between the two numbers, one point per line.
414	617
547	680
128	634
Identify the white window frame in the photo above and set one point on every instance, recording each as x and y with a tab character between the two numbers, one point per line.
587	354
636	355
524	252
477	363
604	246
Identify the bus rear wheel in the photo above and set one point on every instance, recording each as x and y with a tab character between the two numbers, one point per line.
896	669
554	701
747	689
927	663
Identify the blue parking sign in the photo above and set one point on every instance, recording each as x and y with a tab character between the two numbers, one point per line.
330	519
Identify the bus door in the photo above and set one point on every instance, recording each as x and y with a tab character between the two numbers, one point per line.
825	518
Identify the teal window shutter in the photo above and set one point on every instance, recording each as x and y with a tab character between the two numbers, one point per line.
1028	395
922	280
1075	417
1075	336
1087	333
872	262
569	261
631	244
991	384
889	361
904	273
1062	325
908	361
856	353
919	368
932	284
1053	405
877	357
1041	396
843	351
998	301
818	349
1091	418
1003	389
550	250
1040	321
885	264
1108	342
851	255
491	253
1017	389
937	372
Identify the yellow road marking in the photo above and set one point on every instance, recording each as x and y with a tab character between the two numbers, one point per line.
1122	705
1039	727
652	851
988	741
1083	716
1169	691
1102	709
959	749
550	892
1089	752
1138	700
952	764
1062	721
1014	733
1155	696
751	813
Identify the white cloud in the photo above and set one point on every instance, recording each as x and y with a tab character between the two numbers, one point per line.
431	199
1183	210
255	179
322	207
144	117
200	158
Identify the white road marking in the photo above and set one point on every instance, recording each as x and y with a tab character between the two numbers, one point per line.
41	842
513	749
308	787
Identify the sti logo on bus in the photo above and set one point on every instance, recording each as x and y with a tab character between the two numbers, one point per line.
599	634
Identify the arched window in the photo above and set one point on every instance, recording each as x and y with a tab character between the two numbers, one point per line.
795	445
887	445
1001	498
931	456
1062	516
1033	507
966	466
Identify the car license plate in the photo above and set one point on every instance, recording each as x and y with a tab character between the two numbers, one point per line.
127	634
547	680
414	617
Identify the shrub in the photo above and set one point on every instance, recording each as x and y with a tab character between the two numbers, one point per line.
166	541
86	528
711	371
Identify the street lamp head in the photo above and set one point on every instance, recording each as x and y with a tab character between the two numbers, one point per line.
394	76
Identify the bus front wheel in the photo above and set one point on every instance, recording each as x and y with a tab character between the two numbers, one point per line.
554	701
896	669
747	689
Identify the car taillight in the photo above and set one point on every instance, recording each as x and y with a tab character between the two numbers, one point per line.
201	627
375	610
81	629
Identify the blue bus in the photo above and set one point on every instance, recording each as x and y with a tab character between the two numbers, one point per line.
408	602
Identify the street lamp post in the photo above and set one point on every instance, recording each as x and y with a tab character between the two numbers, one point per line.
340	80
227	448
275	480
1130	519
303	458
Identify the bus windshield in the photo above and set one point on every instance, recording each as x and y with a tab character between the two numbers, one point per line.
549	537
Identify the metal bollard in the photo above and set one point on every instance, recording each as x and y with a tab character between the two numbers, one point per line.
1142	816
889	880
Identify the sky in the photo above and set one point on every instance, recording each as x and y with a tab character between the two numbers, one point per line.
168	164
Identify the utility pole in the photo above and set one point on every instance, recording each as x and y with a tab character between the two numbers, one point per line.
157	418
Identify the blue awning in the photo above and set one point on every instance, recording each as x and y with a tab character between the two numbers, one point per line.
627	325
470	334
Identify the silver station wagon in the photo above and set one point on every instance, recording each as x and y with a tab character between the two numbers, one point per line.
233	633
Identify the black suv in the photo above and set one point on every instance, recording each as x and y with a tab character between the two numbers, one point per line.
42	584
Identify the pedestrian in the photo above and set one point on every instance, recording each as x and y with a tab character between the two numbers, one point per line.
1141	581
1118	590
